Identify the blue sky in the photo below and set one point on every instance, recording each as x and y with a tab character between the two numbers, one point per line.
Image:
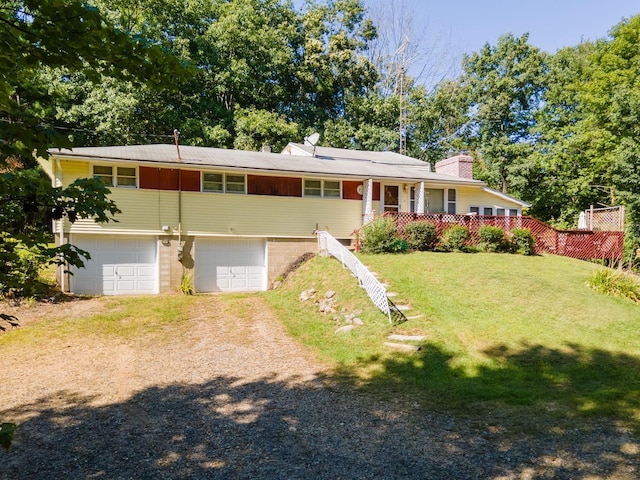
552	24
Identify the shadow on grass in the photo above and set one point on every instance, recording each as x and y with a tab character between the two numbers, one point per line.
268	429
539	384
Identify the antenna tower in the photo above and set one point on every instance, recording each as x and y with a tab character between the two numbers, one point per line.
402	51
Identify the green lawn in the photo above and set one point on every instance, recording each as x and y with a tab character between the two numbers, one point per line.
523	337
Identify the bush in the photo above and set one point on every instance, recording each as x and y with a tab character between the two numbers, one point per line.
455	238
421	236
492	239
381	236
614	283
523	241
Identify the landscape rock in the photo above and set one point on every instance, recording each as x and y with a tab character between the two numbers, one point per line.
327	306
345	329
329	294
307	294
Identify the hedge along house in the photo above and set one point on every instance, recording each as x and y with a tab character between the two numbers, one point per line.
235	220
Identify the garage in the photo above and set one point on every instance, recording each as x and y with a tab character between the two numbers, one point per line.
119	265
230	265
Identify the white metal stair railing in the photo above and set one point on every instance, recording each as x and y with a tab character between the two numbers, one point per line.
376	291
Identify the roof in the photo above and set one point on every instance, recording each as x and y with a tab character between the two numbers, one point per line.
334	162
330	153
504	196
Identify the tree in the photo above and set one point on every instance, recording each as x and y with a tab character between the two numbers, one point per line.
251	55
612	100
505	83
69	35
571	177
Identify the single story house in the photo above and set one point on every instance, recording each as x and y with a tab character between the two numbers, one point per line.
235	220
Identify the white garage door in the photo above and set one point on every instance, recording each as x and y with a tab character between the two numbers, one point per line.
230	265
119	265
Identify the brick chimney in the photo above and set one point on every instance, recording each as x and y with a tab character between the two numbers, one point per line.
460	165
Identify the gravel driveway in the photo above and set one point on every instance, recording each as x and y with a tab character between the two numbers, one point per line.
237	398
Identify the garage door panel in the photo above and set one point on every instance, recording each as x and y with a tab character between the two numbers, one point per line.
118	265
230	265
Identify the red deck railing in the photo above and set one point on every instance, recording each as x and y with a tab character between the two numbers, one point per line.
581	244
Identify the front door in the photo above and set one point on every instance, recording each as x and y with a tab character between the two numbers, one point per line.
391	198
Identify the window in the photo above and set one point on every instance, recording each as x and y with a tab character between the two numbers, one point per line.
313	188
321	188
126	177
412	199
116	176
451	201
433	200
104	174
499	211
223	183
212	182
234	183
331	189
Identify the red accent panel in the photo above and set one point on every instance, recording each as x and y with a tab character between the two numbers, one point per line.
167	179
350	190
277	186
376	191
190	181
149	177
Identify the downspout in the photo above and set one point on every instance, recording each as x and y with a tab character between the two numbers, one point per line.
176	136
57	182
180	214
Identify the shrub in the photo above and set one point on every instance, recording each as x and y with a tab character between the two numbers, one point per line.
614	283
454	239
381	236
492	239
421	236
523	241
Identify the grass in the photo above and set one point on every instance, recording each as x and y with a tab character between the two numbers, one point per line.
522	337
159	318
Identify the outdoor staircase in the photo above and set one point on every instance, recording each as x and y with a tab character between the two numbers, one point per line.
377	292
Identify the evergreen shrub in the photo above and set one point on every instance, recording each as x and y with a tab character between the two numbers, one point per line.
421	236
455	238
492	239
523	241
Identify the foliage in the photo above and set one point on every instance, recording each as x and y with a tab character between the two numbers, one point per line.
186	284
617	284
71	36
492	239
27	202
505	83
421	236
455	238
523	241
265	73
381	236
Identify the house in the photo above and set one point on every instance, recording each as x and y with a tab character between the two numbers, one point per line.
234	220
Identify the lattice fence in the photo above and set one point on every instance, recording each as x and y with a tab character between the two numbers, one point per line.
581	244
610	219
